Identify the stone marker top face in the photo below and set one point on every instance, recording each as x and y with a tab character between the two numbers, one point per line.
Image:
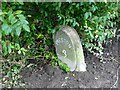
67	44
64	47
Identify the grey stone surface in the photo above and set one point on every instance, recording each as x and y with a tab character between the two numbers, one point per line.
69	49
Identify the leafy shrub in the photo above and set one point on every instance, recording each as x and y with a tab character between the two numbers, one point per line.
27	30
14	24
93	21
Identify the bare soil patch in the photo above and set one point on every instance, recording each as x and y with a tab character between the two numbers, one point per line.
98	75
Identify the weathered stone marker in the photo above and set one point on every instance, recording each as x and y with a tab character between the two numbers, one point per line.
69	49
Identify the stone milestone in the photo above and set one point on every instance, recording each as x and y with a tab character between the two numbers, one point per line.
69	49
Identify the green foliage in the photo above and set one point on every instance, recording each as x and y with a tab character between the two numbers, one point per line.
94	22
27	30
11	77
13	24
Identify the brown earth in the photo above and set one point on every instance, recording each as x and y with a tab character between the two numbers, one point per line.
98	75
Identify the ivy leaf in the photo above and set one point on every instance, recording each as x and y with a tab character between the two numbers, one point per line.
20	2
59	4
17	46
21	17
88	14
12	18
9	48
6	28
4	48
111	24
19	52
1	13
18	24
26	27
18	12
91	34
9	30
24	22
1	18
18	31
67	69
33	27
36	1
15	68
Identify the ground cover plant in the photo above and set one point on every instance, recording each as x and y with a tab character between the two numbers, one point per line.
27	29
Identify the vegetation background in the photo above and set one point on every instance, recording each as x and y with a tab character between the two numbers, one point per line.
27	28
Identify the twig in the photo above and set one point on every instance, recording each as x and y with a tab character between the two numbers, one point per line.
104	58
111	58
1	61
117	77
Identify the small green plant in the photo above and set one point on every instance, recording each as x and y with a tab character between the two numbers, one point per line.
57	62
